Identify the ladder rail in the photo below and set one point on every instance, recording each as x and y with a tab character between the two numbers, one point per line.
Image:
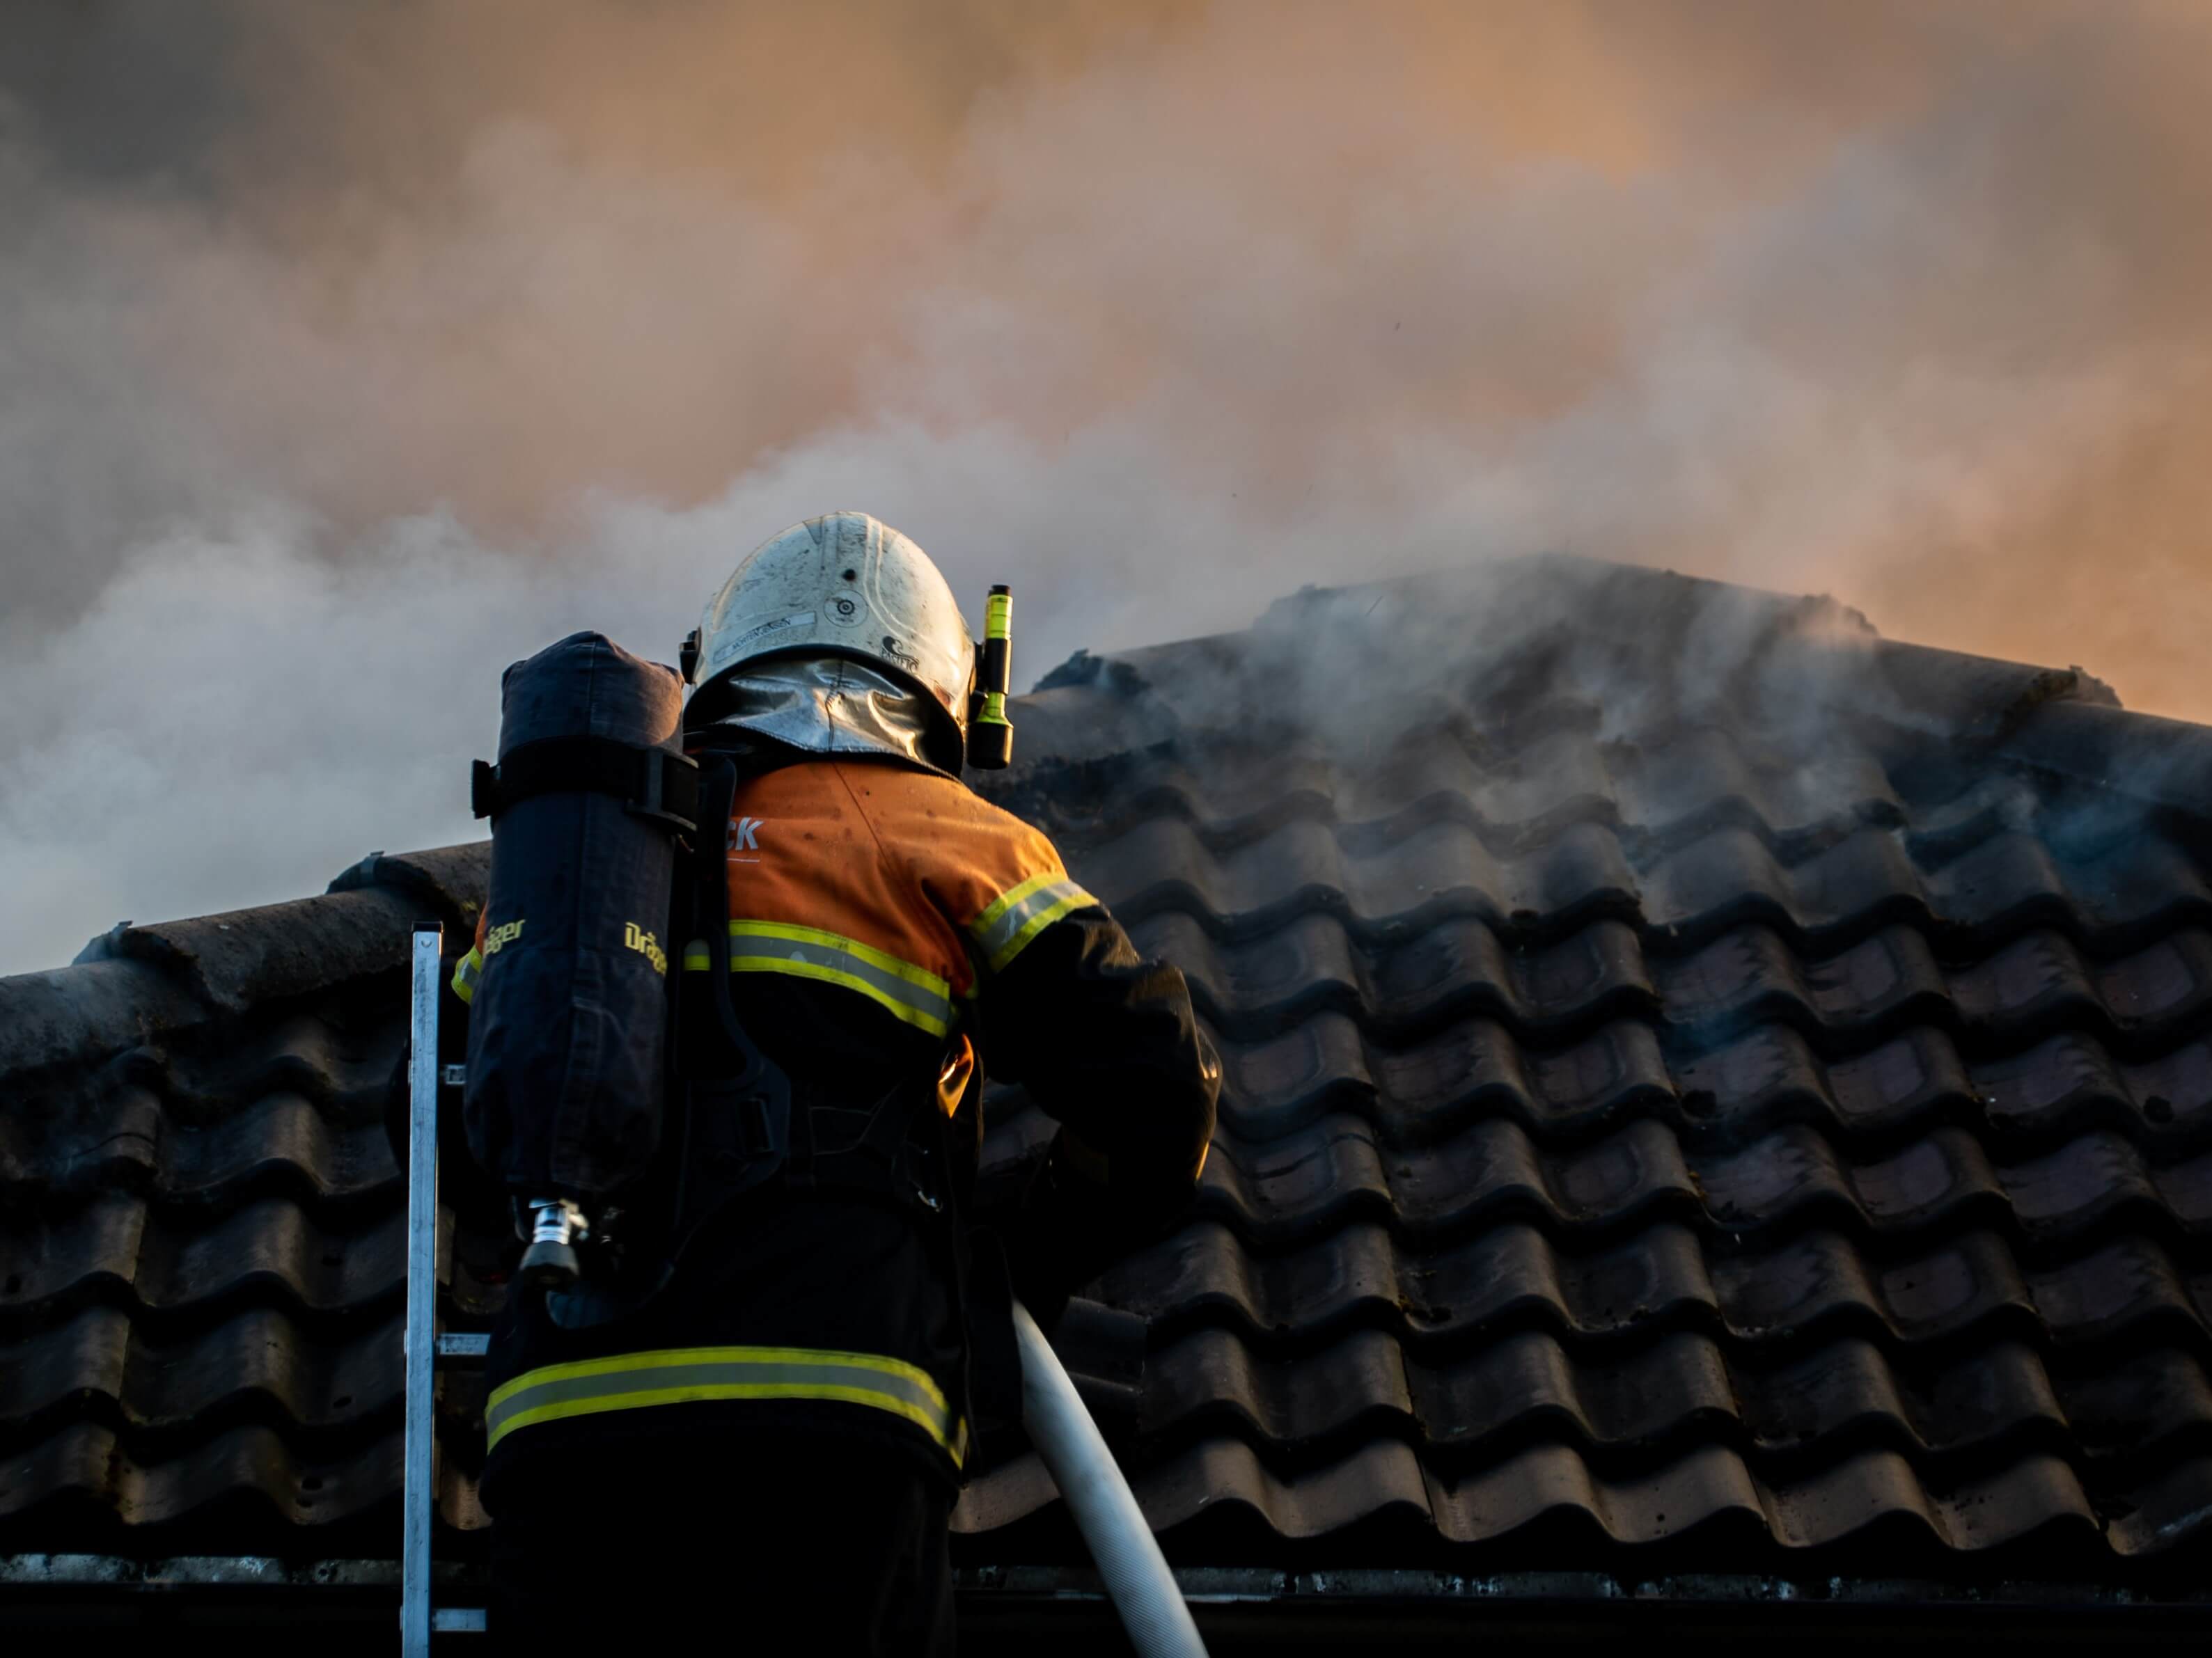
419	1495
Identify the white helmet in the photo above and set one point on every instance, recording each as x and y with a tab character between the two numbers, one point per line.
848	585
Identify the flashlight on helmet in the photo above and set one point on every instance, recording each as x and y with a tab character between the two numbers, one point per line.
990	733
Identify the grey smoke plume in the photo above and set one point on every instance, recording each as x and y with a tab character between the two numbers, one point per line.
347	352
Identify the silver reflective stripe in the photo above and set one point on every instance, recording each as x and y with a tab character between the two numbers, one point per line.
911	994
1004	930
682	1375
466	975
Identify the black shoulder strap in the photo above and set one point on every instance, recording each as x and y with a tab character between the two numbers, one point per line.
749	1096
650	782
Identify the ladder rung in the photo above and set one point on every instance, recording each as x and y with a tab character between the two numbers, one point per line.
458	1621
461	1351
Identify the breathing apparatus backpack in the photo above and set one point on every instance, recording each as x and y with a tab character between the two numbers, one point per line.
568	1031
616	1096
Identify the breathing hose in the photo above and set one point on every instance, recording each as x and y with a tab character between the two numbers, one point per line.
1129	1560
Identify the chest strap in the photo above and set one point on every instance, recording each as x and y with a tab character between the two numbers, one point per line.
650	782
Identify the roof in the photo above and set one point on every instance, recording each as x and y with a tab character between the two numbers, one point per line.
1707	1089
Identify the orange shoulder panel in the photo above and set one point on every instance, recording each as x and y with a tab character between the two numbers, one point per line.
998	879
904	865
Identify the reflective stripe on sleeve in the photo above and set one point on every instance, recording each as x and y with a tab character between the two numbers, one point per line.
907	992
465	975
683	1375
1005	930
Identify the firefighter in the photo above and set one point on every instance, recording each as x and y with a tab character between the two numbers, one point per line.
775	1440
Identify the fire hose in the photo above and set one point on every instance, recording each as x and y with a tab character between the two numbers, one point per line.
1129	1560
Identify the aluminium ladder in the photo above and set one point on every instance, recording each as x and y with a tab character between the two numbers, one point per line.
426	1352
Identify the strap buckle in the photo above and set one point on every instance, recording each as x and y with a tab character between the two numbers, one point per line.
669	793
483	789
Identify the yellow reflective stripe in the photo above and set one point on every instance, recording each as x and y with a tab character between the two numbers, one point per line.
696	956
1003	930
661	1358
1005	901
687	1375
706	1392
908	992
868	953
1068	898
465	975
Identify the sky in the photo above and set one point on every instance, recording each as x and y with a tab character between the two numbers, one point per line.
349	352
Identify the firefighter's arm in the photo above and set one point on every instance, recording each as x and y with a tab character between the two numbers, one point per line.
1106	1043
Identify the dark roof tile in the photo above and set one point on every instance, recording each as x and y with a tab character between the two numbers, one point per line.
119	1249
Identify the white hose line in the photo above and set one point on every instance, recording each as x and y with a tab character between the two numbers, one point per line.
1129	1560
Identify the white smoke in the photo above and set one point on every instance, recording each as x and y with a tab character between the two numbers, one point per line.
388	366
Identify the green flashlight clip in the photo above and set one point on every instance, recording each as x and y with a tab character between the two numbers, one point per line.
990	733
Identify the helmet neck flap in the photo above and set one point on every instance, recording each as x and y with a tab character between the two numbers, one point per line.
832	705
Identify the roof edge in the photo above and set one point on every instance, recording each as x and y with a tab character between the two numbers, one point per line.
134	985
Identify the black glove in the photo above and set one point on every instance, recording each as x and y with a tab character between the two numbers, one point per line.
1065	1230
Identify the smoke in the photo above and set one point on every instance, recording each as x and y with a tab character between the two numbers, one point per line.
347	354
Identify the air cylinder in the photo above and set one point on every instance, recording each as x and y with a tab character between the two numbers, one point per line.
568	1027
